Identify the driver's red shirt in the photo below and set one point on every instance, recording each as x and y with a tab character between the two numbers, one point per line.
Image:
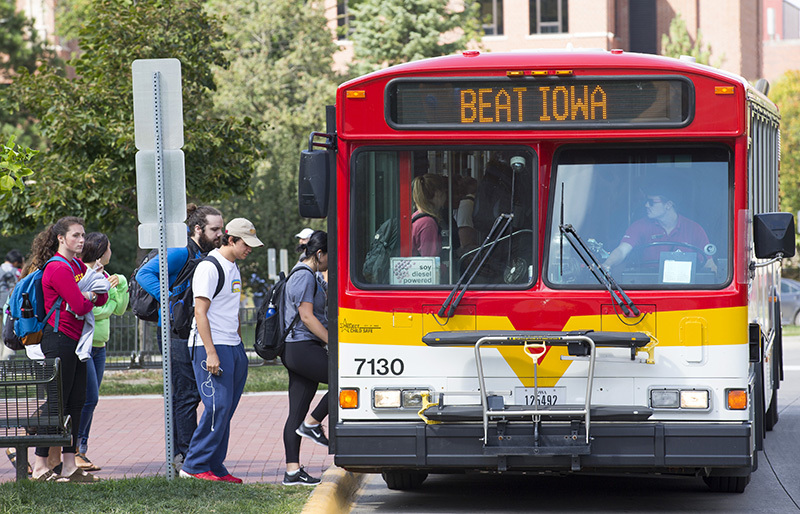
645	231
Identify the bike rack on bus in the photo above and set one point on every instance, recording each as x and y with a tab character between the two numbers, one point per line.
492	407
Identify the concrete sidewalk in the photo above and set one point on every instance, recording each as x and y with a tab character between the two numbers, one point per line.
127	439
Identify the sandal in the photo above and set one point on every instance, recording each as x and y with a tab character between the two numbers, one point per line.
79	476
47	476
11	453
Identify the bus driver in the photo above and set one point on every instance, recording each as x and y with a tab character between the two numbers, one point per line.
662	225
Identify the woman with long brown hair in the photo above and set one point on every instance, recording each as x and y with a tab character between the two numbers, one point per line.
63	241
429	192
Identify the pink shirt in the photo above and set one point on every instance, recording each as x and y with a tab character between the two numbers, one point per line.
60	279
426	241
646	231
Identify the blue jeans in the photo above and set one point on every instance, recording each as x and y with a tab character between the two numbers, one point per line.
95	367
185	397
220	398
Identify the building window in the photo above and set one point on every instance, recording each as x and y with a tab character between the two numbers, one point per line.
344	18
548	16
492	17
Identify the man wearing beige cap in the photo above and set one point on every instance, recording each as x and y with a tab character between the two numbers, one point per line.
218	356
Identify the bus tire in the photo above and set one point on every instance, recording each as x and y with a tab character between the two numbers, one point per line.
727	484
771	416
403	479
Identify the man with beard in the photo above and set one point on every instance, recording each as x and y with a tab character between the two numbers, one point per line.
205	229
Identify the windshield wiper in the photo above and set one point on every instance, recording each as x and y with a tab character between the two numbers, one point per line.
599	272
447	311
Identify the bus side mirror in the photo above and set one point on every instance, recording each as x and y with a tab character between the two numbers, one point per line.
313	185
773	234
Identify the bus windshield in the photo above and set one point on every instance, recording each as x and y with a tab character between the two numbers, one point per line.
654	217
419	215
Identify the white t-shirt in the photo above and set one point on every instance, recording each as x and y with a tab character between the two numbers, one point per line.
223	314
464	213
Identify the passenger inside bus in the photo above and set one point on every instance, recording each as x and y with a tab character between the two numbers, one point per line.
663	230
429	192
466	187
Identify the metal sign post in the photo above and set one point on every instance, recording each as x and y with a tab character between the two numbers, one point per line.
160	177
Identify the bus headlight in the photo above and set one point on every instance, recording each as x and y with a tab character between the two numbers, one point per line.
694	399
664	398
386	398
679	398
398	398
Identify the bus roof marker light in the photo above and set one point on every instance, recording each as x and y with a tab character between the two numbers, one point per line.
723	90
471	53
562	73
356	93
515	73
538	73
616	51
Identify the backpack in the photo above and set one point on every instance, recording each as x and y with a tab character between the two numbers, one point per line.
181	300
383	247
270	333
28	331
143	304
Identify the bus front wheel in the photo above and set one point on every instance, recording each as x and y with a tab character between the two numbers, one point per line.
403	479
727	484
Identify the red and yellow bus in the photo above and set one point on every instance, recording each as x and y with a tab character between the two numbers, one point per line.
551	262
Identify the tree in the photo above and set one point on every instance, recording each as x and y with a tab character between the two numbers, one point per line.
89	166
280	75
679	42
20	48
389	32
20	45
786	94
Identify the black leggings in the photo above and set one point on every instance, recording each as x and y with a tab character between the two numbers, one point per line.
73	382
307	363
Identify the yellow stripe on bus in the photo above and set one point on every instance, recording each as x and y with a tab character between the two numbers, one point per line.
727	326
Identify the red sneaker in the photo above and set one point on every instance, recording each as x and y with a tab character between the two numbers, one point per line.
205	475
230	478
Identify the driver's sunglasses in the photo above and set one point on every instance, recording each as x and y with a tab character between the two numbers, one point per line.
652	201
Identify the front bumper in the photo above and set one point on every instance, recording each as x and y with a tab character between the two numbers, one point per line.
650	447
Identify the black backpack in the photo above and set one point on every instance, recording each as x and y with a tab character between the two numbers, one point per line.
143	304
383	247
181	300
270	332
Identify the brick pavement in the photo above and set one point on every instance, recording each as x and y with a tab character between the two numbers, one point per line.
127	439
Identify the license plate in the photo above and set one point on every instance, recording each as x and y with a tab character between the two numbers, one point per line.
546	396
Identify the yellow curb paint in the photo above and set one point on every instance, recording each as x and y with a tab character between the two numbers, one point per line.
334	495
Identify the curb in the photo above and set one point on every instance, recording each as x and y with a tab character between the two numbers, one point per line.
335	493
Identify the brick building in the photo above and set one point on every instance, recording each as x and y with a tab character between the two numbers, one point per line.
753	38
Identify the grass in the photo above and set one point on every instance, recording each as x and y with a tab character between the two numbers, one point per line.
150	381
155	494
791	330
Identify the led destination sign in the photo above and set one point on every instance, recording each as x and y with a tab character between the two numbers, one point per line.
557	103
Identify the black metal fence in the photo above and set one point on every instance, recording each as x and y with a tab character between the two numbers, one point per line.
135	343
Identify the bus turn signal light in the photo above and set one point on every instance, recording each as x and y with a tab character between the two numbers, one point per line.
348	398
737	399
356	93
723	90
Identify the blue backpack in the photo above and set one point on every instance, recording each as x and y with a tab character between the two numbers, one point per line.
28	331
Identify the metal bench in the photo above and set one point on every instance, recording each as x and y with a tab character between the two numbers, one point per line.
31	412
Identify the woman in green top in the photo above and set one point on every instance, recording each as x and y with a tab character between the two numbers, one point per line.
96	254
